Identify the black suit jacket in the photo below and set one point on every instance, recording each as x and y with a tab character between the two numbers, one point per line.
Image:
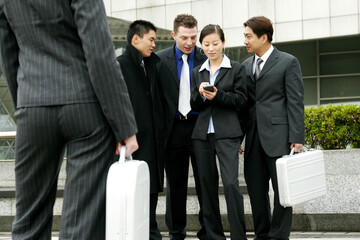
60	52
231	96
169	83
146	102
275	104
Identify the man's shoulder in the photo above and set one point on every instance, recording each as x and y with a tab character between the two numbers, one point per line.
248	60
197	68
236	65
284	54
199	54
124	56
164	53
288	56
123	60
126	62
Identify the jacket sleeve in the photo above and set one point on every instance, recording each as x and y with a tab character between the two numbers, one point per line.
197	102
9	56
295	105
236	98
105	74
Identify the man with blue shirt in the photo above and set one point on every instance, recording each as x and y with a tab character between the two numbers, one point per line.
175	78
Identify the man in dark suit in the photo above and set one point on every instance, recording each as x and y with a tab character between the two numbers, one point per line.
178	127
138	64
275	124
68	92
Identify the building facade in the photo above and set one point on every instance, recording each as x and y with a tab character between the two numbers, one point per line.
323	34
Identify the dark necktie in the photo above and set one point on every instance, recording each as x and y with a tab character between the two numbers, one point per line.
257	68
142	64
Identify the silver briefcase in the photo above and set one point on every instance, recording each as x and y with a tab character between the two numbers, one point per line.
127	200
301	177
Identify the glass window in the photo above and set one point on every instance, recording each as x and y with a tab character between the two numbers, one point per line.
340	63
340	87
340	101
239	54
305	52
310	91
339	44
6	105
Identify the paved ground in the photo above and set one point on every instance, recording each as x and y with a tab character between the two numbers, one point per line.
293	236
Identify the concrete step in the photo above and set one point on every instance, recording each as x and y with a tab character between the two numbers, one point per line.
250	235
306	216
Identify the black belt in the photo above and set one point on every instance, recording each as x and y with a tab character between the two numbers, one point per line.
187	117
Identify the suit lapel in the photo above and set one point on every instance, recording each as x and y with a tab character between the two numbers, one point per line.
221	75
171	63
249	68
272	60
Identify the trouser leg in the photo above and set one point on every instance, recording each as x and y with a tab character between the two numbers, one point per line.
257	181
177	170
282	217
154	230
39	153
90	152
227	152
209	180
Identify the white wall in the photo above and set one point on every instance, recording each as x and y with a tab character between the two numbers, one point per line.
292	19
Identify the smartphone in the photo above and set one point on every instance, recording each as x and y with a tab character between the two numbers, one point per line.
209	88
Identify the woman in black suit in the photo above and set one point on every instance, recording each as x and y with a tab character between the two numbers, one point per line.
218	92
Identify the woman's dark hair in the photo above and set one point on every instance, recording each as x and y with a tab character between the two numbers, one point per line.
209	29
260	26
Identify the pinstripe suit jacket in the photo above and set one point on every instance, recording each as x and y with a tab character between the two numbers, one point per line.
60	52
275	104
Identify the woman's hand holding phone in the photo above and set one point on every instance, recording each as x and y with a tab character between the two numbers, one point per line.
207	90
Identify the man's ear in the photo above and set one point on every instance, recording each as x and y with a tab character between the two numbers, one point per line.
135	39
173	34
264	38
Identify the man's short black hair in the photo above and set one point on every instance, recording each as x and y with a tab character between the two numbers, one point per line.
139	27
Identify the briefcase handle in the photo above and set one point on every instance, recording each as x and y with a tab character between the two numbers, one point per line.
304	149
122	158
292	151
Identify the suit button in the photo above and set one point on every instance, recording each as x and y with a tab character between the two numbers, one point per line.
147	93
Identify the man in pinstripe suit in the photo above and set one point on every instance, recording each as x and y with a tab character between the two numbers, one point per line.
68	92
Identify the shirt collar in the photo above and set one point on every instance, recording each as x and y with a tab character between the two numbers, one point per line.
225	63
179	53
138	57
266	55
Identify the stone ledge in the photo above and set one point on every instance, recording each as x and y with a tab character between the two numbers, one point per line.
301	222
338	210
8	192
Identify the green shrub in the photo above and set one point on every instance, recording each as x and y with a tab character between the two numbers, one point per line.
332	127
